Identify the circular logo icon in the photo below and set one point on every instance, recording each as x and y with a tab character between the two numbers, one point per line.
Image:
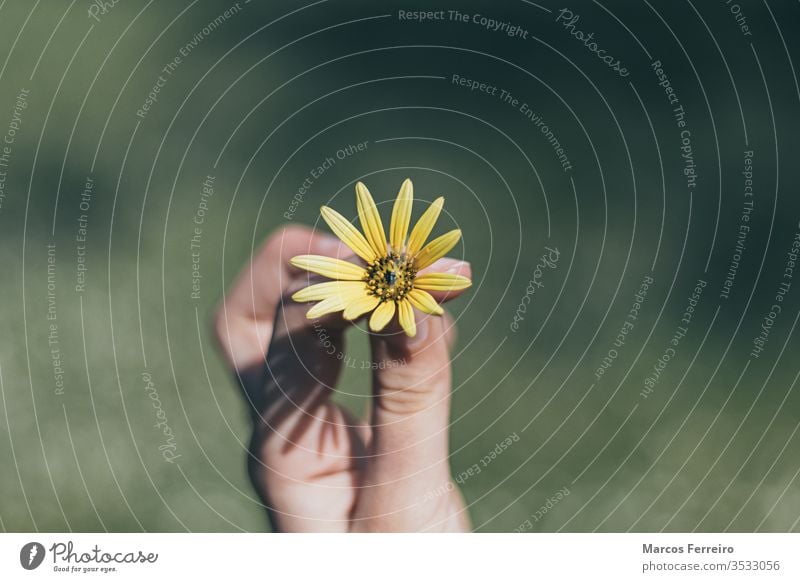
31	555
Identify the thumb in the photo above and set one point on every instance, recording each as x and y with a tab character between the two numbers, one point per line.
411	385
409	446
408	457
411	382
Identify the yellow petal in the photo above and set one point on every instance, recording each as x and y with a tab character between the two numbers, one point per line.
401	216
360	306
328	267
381	316
406	316
329	305
441	282
424	226
370	220
425	302
322	291
348	233
437	248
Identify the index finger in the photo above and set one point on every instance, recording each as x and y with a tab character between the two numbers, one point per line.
245	320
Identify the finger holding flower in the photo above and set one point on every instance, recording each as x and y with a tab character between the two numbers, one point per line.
315	466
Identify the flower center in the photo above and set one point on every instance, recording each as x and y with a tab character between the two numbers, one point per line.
390	278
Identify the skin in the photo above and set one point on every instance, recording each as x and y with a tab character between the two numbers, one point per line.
315	466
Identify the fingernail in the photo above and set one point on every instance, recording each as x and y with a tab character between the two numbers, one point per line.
419	339
457	267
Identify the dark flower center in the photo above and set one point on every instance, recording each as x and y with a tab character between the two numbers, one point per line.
390	277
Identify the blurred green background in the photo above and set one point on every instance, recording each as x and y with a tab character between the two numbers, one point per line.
262	95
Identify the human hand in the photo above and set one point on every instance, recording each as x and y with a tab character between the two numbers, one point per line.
316	467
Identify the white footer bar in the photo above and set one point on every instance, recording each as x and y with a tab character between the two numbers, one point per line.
390	557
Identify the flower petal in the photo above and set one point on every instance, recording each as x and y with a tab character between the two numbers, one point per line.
322	291
441	282
370	220
437	248
425	302
406	316
401	216
328	267
329	305
360	306
382	316
424	226
349	234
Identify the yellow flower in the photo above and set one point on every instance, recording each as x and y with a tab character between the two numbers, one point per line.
391	281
